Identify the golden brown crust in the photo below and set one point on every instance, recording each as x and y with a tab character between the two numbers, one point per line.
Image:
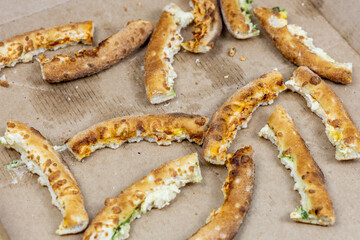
36	149
308	173
226	221
88	62
160	128
297	52
207	26
340	128
236	112
164	43
235	20
21	48
119	209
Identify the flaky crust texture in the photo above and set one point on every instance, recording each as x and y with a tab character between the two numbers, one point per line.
207	26
88	62
225	222
297	52
120	208
235	20
236	112
307	171
63	183
160	128
23	47
336	117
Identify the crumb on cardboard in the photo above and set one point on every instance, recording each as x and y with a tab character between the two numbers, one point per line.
232	51
125	8
226	76
197	60
3	82
242	59
138	4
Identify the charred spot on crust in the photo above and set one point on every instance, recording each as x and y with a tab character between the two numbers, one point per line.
315	80
110	201
53	176
11	125
349	140
1	44
59	183
335	123
245	159
102	132
200	121
287	151
26	136
140	127
280	83
304	84
317	210
36	132
116	210
311	191
242	210
88	140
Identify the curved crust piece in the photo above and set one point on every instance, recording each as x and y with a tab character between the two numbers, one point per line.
225	222
41	158
207	26
164	44
299	49
155	190
315	205
23	48
63	68
154	128
236	112
237	18
323	101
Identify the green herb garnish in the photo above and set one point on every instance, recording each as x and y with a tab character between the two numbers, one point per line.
118	231
303	212
14	164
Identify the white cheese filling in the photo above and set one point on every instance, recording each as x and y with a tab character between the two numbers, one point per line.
298	32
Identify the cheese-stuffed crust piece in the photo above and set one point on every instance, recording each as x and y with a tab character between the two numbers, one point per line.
237	18
164	44
299	49
154	128
155	190
236	112
315	205
41	158
88	62
23	47
324	102
225	222
207	26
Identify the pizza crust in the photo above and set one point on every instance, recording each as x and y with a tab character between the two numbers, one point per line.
315	206
207	26
162	129
164	44
237	18
323	101
155	190
225	222
88	62
41	158
236	112
298	48
23	48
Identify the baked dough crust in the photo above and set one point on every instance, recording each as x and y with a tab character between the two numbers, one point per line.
237	18
154	128
236	112
323	101
164	44
85	63
298	48
41	158
309	179
142	196
22	48
225	222
207	26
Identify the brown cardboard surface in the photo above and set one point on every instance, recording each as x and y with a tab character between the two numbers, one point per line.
59	111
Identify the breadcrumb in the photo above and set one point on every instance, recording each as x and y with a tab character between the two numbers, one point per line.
232	51
242	59
139	4
3	82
